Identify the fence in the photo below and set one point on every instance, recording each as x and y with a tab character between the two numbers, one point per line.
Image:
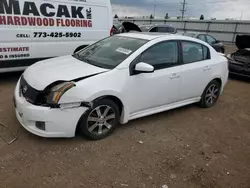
225	31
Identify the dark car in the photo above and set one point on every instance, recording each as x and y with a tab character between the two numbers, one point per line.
216	44
239	61
158	28
125	27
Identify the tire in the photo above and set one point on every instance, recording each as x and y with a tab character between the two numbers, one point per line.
95	119
209	99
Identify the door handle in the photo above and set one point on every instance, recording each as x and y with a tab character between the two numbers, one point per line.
207	68
174	75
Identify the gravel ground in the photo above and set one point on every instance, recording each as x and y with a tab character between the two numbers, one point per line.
184	148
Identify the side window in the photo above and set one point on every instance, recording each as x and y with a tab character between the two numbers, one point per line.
192	52
162	29
210	39
155	29
206	53
161	55
170	30
202	37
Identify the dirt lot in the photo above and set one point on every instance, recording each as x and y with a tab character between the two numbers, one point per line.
184	148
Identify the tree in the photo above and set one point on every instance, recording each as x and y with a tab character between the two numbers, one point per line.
202	17
116	16
151	17
166	17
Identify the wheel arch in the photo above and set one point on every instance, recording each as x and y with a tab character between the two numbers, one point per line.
117	100
202	102
219	80
113	98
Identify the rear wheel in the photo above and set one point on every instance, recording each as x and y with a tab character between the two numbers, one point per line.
210	94
100	121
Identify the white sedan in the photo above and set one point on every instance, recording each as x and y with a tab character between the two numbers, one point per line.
116	80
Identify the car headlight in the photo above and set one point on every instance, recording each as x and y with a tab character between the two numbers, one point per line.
56	92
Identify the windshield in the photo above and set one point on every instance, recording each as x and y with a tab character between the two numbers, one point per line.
189	34
110	52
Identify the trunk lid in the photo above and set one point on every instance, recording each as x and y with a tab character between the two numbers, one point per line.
242	41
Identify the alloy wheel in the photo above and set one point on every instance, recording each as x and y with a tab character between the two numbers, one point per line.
101	120
212	94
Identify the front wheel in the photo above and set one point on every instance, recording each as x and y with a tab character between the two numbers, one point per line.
100	121
210	94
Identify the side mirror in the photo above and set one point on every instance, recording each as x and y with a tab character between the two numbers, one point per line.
144	68
217	41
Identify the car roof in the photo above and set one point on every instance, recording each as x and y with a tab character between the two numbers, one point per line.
145	35
155	35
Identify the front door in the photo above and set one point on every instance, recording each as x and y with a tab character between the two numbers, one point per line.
150	90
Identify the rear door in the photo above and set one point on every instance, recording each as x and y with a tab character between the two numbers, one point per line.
196	70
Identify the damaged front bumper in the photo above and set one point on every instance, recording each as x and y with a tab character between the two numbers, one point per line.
60	121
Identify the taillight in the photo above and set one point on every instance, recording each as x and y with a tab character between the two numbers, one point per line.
111	31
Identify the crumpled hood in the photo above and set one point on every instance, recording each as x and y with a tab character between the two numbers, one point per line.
242	41
65	68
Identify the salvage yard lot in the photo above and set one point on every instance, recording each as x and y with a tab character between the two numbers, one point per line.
184	148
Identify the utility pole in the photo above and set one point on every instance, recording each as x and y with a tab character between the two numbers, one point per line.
183	10
241	15
154	8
